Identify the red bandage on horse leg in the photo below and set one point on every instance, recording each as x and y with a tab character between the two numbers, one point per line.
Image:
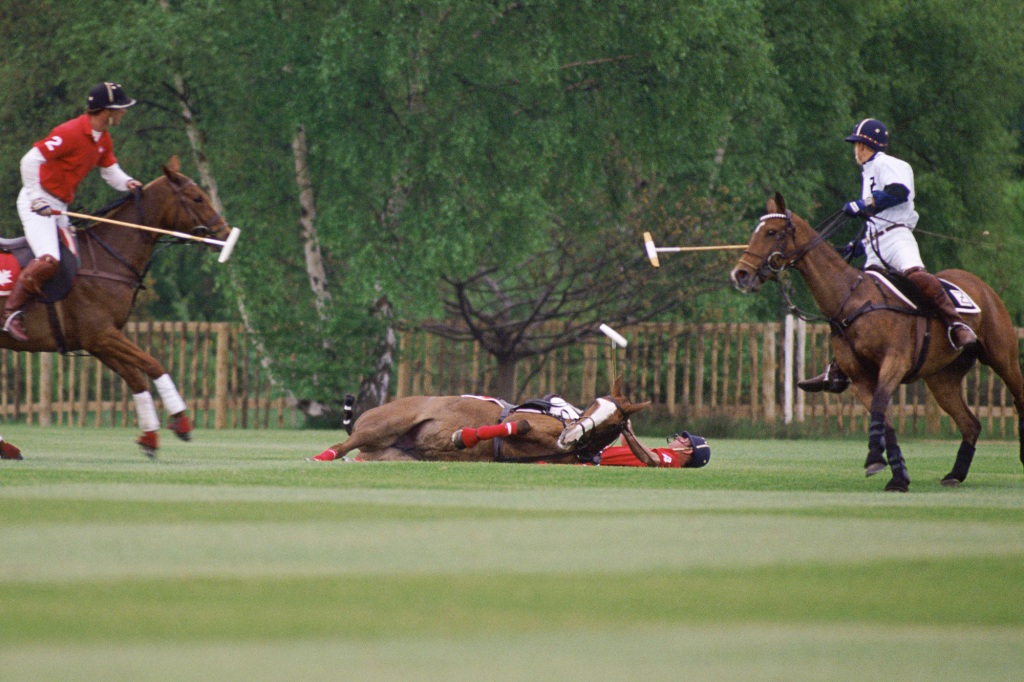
498	430
327	455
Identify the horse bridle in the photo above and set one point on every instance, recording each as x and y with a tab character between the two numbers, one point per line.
183	203
776	262
193	215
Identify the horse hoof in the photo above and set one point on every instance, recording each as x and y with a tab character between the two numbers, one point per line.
149	443
951	482
895	486
872	469
182	427
8	451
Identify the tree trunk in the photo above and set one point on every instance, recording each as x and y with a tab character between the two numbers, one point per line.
373	392
307	220
504	385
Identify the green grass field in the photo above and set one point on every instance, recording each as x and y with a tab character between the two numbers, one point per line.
233	558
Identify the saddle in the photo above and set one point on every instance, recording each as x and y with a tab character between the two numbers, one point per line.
15	254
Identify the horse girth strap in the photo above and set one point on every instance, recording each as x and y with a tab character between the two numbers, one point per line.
839	327
921	343
132	282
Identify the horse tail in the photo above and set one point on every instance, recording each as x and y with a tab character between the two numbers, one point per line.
348	411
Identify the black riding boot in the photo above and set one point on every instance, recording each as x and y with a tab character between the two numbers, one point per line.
832	380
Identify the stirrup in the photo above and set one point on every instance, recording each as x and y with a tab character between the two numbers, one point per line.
971	339
14	328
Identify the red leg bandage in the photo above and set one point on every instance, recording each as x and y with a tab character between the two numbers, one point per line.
327	455
468	437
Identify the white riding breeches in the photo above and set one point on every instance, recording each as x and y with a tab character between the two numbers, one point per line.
897	250
41	231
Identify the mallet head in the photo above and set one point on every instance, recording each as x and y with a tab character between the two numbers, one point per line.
617	338
652	251
229	245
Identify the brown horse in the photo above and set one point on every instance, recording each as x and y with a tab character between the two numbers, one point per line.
879	341
468	429
113	262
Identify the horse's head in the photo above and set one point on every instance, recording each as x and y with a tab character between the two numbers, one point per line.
184	206
600	424
772	248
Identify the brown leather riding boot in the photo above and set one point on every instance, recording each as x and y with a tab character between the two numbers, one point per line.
960	334
29	285
832	380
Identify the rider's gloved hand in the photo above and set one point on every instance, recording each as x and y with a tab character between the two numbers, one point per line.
854	208
852	250
42	207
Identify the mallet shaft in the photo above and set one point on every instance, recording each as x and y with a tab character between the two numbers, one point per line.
145	228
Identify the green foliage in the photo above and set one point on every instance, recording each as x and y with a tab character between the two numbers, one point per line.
448	136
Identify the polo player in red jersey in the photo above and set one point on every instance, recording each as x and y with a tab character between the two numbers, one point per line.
50	173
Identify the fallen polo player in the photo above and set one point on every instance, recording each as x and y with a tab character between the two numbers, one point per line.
684	450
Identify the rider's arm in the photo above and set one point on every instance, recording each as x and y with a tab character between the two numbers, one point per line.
30	164
891	195
115	177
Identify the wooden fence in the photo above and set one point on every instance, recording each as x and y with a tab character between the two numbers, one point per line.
689	371
212	364
701	371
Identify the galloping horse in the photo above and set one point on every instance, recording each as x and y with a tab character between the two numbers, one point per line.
113	262
466	429
879	341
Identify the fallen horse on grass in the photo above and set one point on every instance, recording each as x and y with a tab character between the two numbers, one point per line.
479	429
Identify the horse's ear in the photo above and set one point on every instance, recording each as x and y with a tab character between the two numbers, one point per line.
173	165
631	408
780	203
617	387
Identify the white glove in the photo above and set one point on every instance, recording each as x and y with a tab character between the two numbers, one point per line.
42	207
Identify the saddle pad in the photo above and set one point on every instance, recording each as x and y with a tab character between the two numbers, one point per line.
9	271
963	303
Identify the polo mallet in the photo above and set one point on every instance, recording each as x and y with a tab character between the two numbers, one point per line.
227	245
653	251
618	340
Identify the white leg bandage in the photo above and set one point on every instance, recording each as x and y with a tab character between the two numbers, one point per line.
172	400
146	412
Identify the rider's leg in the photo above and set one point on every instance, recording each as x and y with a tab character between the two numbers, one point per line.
29	285
960	334
41	233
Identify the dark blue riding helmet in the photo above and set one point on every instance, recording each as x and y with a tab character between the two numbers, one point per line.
108	96
871	132
701	451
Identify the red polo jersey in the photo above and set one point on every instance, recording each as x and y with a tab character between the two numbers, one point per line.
70	154
622	456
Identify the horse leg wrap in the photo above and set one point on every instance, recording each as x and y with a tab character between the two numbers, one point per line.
877	441
328	455
172	400
876	436
964	457
468	437
875	462
145	411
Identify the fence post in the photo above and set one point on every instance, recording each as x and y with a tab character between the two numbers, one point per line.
220	390
787	371
801	356
45	389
